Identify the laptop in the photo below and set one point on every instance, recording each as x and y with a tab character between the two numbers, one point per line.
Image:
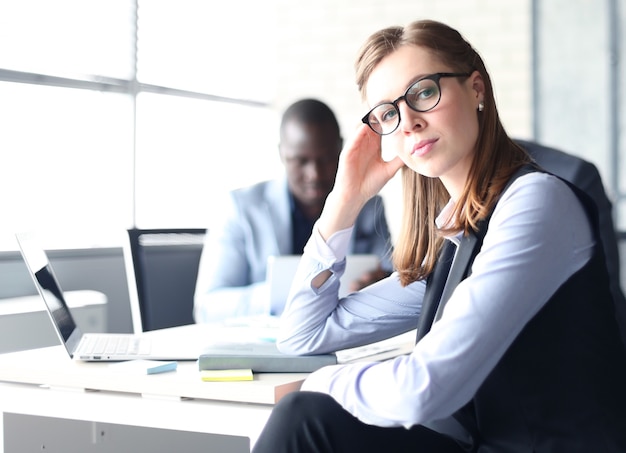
93	346
261	355
282	269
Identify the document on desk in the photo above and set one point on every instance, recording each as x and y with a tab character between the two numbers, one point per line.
380	350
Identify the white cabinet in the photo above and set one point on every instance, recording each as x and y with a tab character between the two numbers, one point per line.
25	324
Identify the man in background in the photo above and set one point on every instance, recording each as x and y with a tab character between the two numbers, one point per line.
276	218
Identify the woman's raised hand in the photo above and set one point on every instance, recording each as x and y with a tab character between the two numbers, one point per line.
362	173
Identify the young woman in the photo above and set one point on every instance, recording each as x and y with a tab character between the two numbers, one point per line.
519	352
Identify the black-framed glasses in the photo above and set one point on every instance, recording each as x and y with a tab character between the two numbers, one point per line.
421	96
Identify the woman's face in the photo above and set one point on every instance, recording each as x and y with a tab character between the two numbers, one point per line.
438	143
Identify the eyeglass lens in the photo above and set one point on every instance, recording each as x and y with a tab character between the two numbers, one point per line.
421	96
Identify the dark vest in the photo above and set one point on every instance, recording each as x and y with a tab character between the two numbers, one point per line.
561	386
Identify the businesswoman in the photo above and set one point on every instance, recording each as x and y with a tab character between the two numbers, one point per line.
519	351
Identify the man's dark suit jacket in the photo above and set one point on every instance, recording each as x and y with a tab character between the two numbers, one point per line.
585	176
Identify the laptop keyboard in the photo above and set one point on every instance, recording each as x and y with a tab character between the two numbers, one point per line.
115	345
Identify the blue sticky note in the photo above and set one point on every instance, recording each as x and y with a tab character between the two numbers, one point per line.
162	367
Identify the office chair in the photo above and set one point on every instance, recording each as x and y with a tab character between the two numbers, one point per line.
162	266
585	176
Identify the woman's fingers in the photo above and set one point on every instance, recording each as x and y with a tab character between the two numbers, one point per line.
362	169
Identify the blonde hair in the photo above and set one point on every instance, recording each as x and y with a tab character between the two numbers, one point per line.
496	156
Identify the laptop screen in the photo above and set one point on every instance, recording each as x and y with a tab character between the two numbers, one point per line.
47	285
54	300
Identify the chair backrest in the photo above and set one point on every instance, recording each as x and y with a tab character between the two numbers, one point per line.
162	267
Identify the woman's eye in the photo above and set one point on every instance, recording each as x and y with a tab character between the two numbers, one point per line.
426	93
388	115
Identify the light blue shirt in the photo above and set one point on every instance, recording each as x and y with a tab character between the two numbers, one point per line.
537	238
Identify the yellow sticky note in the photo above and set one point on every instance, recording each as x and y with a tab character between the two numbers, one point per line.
226	375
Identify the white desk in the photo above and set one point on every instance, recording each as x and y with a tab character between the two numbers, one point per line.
50	402
95	398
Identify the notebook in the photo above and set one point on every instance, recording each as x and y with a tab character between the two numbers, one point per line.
282	269
92	346
261	357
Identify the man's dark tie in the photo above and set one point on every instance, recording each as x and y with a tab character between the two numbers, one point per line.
435	284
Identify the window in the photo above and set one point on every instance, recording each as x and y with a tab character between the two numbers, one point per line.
68	38
119	112
67	159
190	151
226	49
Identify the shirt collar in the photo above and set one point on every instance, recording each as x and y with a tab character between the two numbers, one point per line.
445	218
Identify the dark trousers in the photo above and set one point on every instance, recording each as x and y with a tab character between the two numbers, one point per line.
314	422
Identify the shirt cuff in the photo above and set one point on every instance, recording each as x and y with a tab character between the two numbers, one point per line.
331	251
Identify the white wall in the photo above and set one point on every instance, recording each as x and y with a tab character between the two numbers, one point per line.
578	108
317	43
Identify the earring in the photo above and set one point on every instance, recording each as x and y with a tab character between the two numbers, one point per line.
481	106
